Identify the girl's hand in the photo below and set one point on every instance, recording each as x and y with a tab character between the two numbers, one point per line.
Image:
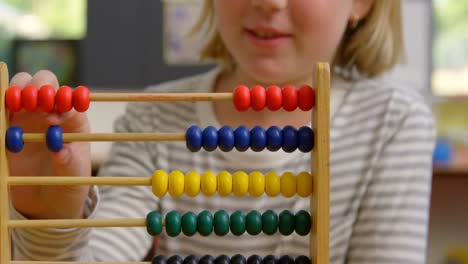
48	202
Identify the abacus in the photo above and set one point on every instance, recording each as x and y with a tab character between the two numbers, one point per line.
314	184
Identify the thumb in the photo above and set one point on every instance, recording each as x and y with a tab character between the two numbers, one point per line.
74	159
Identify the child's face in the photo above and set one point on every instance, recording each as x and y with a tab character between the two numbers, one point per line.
277	41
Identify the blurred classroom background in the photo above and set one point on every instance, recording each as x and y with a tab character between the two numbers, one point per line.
126	45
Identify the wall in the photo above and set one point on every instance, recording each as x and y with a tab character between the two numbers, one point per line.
123	47
417	23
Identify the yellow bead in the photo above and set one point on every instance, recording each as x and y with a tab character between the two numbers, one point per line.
240	183
272	184
176	183
159	183
304	184
208	183
224	183
256	184
288	184
192	183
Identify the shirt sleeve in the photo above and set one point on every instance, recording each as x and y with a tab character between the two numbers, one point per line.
105	202
393	217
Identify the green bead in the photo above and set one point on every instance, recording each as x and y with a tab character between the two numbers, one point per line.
254	222
205	223
173	223
189	223
286	223
238	223
154	223
221	223
303	223
269	222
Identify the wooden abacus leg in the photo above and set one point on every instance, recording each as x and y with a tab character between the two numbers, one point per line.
5	246
320	203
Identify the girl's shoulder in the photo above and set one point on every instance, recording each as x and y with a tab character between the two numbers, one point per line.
389	92
385	103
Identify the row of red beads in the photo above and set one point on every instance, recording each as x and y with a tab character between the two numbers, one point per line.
46	99
274	98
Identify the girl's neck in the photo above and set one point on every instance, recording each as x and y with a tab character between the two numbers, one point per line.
228	115
228	80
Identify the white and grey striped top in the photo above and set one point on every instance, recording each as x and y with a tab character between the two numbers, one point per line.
382	137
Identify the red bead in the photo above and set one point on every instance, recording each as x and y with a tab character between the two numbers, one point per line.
242	98
29	98
289	98
258	98
63	99
274	98
81	99
306	98
47	98
13	99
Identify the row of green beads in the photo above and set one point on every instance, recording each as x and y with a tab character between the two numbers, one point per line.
254	223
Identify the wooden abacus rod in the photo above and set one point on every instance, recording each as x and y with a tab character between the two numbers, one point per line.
108	181
5	237
78	223
161	97
95	137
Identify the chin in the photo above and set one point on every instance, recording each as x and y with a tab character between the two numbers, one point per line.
269	74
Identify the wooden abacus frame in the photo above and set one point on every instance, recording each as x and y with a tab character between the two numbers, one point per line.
320	167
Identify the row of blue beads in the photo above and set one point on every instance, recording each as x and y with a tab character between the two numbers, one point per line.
15	143
289	139
236	259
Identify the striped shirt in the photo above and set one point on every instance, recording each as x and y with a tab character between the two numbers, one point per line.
382	138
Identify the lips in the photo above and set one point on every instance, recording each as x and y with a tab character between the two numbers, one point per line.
267	32
267	37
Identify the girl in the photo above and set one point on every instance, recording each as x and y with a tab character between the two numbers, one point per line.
382	137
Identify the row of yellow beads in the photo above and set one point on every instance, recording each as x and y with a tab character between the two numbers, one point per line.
225	183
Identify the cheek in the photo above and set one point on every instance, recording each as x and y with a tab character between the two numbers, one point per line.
227	16
319	25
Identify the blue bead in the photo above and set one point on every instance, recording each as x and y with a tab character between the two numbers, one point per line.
305	139
226	138
159	259
258	139
14	139
289	139
175	259
193	138
192	259
54	138
210	138
274	138
242	138
206	259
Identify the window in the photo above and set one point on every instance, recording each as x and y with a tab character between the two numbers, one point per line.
180	46
45	19
450	60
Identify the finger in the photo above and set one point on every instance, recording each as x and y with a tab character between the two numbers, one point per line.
21	79
44	77
71	122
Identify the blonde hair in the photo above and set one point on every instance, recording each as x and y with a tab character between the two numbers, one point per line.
371	47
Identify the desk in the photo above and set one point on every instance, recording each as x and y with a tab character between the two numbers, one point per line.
448	227
451	171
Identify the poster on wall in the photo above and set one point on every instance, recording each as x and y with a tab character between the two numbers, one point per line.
180	46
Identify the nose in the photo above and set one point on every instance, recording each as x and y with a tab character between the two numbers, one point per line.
270	5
